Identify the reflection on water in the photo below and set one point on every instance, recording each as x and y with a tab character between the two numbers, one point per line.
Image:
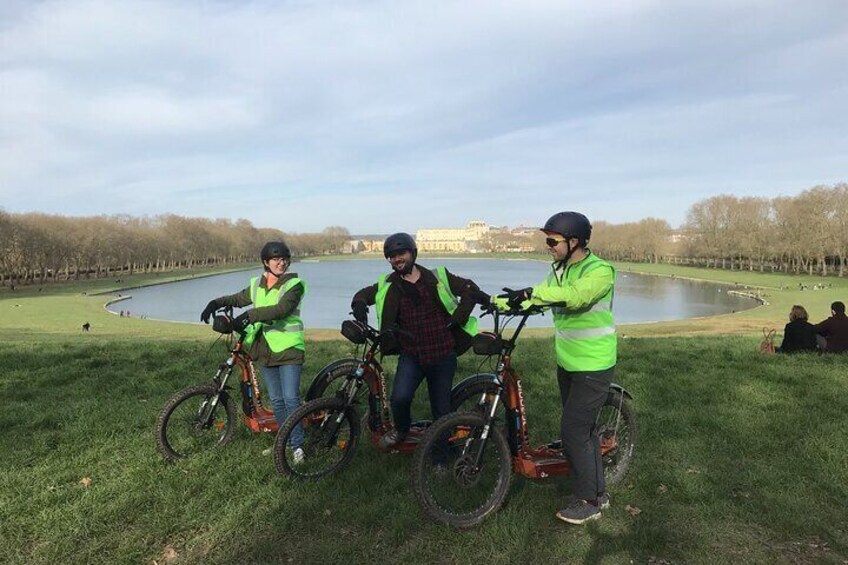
638	298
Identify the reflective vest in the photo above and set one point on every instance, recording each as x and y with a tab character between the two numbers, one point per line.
280	334
585	339
446	297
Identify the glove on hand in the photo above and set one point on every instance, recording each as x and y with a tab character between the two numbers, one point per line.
514	298
360	311
241	321
208	311
500	303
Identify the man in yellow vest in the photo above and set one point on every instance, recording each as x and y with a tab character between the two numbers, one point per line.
274	332
432	311
579	291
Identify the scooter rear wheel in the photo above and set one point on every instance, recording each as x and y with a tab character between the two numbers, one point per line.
616	426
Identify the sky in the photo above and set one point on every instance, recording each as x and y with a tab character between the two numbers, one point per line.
394	115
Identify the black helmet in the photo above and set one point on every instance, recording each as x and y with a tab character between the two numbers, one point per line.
274	249
570	224
399	242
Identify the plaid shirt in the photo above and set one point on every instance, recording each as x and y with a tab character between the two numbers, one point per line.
423	316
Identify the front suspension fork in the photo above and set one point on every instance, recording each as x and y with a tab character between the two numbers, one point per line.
478	456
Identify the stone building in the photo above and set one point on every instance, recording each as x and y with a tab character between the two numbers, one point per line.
470	239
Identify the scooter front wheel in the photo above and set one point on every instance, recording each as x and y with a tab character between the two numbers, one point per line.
195	419
458	477
330	433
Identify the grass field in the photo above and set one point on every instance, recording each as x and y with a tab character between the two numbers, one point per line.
741	458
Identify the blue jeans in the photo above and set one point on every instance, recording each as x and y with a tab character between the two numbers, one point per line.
283	382
409	375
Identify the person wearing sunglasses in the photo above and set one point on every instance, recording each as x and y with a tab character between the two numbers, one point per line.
579	291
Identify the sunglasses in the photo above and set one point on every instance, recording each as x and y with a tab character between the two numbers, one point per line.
553	241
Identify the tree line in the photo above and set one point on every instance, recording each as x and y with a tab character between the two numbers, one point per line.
38	248
807	233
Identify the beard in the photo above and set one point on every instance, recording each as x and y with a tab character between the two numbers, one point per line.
405	269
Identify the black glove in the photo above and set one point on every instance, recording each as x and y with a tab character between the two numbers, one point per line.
360	311
482	298
514	298
208	311
241	321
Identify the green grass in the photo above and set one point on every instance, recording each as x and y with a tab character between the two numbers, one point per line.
59	309
751	450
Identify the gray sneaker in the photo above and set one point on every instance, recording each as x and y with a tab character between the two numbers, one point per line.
579	511
392	438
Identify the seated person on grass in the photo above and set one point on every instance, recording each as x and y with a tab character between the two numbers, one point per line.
834	330
799	334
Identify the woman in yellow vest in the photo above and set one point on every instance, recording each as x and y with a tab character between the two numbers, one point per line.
579	291
274	331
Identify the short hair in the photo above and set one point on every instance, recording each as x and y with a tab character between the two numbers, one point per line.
838	307
798	313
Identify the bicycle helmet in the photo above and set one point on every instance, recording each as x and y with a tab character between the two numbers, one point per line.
274	249
399	242
568	225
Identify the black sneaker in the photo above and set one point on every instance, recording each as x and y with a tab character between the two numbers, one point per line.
603	501
392	438
579	511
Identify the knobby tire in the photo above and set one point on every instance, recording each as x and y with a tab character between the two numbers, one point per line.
443	481
169	426
329	447
617	409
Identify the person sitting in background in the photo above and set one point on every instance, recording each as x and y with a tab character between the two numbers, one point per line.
834	330
799	334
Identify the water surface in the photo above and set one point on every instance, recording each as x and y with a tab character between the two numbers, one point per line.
331	285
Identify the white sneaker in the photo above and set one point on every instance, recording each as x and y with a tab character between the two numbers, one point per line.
298	456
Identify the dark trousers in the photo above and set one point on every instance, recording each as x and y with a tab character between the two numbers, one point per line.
583	394
409	375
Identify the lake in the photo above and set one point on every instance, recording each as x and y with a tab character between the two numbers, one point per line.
638	298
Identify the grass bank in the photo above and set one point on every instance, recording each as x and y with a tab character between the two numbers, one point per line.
741	458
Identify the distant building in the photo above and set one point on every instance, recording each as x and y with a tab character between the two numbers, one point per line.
353	246
524	231
372	245
470	239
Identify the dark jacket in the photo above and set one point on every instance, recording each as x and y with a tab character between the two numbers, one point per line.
835	330
465	290
798	335
259	350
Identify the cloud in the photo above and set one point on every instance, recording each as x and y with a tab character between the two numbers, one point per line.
368	114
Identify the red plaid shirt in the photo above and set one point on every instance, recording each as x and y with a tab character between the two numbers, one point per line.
423	316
